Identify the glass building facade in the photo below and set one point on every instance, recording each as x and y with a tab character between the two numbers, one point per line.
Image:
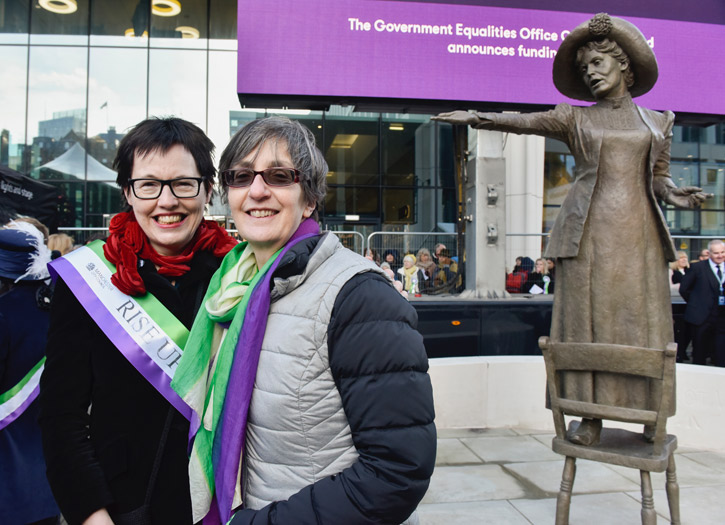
79	77
78	73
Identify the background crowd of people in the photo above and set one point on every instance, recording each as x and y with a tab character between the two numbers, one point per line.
529	277
421	272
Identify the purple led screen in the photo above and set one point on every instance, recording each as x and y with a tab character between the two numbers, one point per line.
338	49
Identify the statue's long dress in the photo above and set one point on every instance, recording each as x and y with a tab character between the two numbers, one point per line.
616	289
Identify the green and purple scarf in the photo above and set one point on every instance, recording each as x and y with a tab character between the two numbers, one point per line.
216	374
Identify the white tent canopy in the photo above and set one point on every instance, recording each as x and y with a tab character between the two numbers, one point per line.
77	162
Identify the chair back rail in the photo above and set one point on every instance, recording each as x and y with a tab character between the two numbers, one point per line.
618	359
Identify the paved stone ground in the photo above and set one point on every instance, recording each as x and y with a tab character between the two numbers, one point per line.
511	476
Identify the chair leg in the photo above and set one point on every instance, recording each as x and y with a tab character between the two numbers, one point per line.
563	500
673	492
649	516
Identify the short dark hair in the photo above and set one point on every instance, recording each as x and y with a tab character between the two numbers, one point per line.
160	134
300	143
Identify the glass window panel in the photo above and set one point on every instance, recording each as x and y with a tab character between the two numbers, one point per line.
237	120
449	210
346	200
223	25
311	119
116	100
177	84
183	29
427	210
408	150
103	198
683	222
14	17
65	26
712	180
70	203
351	149
56	101
400	206
558	178
13	89
120	23
684	173
446	156
712	222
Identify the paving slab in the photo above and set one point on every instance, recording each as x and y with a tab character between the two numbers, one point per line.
510	449
478	513
472	483
690	473
591	477
698	505
530	431
588	509
453	452
714	460
474	432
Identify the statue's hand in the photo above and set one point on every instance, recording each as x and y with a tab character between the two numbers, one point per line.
463	118
687	197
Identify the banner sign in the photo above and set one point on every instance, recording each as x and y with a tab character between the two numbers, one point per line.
456	53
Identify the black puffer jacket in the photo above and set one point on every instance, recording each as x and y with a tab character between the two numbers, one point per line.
380	368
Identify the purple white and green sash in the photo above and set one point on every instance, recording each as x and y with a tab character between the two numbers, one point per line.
216	375
142	328
14	402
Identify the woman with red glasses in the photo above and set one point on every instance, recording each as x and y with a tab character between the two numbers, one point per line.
304	369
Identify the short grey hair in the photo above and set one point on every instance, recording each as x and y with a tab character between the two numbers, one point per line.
713	243
300	144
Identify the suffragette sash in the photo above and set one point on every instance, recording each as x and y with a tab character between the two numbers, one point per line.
14	402
142	329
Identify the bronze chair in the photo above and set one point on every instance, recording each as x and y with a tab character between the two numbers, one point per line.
616	446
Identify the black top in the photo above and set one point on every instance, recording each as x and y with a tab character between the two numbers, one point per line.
536	278
677	275
102	456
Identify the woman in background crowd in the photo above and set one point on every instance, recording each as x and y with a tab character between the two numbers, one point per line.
425	262
539	281
60	243
410	275
683	337
678	269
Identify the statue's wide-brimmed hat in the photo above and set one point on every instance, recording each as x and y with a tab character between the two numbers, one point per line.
642	59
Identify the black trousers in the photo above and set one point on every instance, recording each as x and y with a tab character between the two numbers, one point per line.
708	339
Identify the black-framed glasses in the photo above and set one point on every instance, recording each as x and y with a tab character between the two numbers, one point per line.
182	188
277	176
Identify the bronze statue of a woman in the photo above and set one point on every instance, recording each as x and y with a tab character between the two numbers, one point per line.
622	154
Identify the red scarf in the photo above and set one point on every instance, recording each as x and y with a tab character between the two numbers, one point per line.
127	242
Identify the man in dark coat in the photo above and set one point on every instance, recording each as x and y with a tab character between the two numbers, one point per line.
702	288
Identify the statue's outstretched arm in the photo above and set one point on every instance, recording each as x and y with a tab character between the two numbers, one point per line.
665	189
556	123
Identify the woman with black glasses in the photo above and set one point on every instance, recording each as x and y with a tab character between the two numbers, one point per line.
114	433
304	369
